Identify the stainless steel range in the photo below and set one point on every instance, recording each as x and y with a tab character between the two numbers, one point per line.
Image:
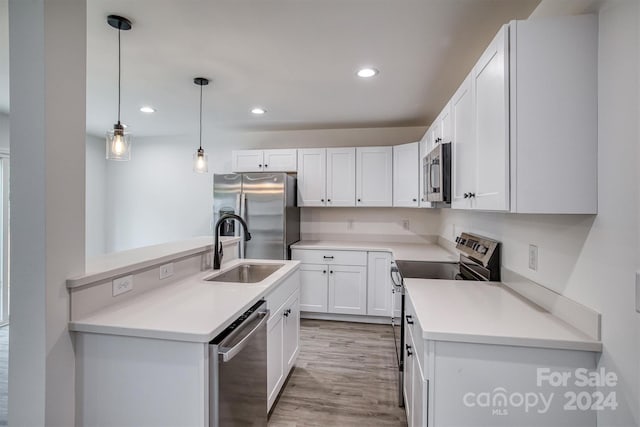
479	260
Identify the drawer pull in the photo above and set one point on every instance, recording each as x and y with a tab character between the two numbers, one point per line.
409	319
409	352
324	271
328	257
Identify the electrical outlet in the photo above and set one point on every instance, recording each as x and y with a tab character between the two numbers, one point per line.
166	271
405	224
349	224
638	292
533	257
122	285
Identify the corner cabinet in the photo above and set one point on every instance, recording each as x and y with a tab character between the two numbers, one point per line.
524	122
374	176
379	287
283	160
406	175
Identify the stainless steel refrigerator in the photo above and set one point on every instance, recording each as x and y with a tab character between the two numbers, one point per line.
267	202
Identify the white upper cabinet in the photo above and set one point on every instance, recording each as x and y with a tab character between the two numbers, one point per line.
406	176
247	160
280	160
524	128
463	147
374	176
341	177
423	150
491	97
283	160
312	176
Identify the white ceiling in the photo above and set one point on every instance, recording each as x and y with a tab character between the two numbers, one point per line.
296	58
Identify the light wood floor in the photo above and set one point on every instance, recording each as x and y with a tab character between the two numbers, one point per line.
4	373
345	376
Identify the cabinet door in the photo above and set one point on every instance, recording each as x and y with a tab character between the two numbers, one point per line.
313	287
446	133
374	176
341	176
291	341
347	289
275	356
406	175
280	160
436	132
491	98
312	177
379	287
423	153
247	161
418	395
463	147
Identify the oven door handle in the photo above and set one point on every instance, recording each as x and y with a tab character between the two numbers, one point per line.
393	272
228	353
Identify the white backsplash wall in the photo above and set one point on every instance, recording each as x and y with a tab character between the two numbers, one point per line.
592	259
370	224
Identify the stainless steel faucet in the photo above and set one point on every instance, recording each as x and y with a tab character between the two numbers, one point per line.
217	245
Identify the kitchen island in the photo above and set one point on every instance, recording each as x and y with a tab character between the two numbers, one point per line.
142	356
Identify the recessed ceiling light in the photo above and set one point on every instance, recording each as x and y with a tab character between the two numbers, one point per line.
147	109
258	111
367	72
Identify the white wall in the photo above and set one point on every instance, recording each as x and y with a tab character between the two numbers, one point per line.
4	131
593	259
370	224
95	198
156	197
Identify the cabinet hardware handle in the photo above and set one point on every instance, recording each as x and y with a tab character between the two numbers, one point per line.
328	200
409	352
359	200
466	195
409	319
322	200
415	200
260	165
266	165
324	271
330	271
287	312
472	194
422	199
328	257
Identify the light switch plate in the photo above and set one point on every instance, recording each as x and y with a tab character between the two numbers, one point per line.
166	270
122	285
638	291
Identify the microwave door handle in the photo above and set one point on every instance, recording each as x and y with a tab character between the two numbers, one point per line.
435	171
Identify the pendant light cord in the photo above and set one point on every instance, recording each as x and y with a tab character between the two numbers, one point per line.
119	72
200	117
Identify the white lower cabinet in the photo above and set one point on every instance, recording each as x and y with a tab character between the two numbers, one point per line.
448	383
345	282
347	289
379	287
283	339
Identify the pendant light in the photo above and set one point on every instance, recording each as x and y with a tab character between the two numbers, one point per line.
118	141
200	159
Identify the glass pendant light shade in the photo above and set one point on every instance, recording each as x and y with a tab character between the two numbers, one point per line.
118	144
200	161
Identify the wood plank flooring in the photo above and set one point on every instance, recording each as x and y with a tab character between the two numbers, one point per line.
345	376
4	373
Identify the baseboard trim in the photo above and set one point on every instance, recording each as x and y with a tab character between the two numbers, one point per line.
380	320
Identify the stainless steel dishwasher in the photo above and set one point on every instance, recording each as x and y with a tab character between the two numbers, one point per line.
238	371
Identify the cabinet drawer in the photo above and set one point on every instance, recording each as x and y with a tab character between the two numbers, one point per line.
277	297
330	257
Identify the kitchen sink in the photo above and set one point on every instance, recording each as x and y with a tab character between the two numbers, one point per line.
246	273
428	269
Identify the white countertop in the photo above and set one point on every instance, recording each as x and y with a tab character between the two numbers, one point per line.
489	313
189	310
400	251
123	262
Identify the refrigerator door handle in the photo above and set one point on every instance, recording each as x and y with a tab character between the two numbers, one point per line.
243	214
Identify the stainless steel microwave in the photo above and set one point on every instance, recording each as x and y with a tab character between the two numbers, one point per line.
437	174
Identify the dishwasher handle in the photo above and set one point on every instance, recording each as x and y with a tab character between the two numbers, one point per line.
227	353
